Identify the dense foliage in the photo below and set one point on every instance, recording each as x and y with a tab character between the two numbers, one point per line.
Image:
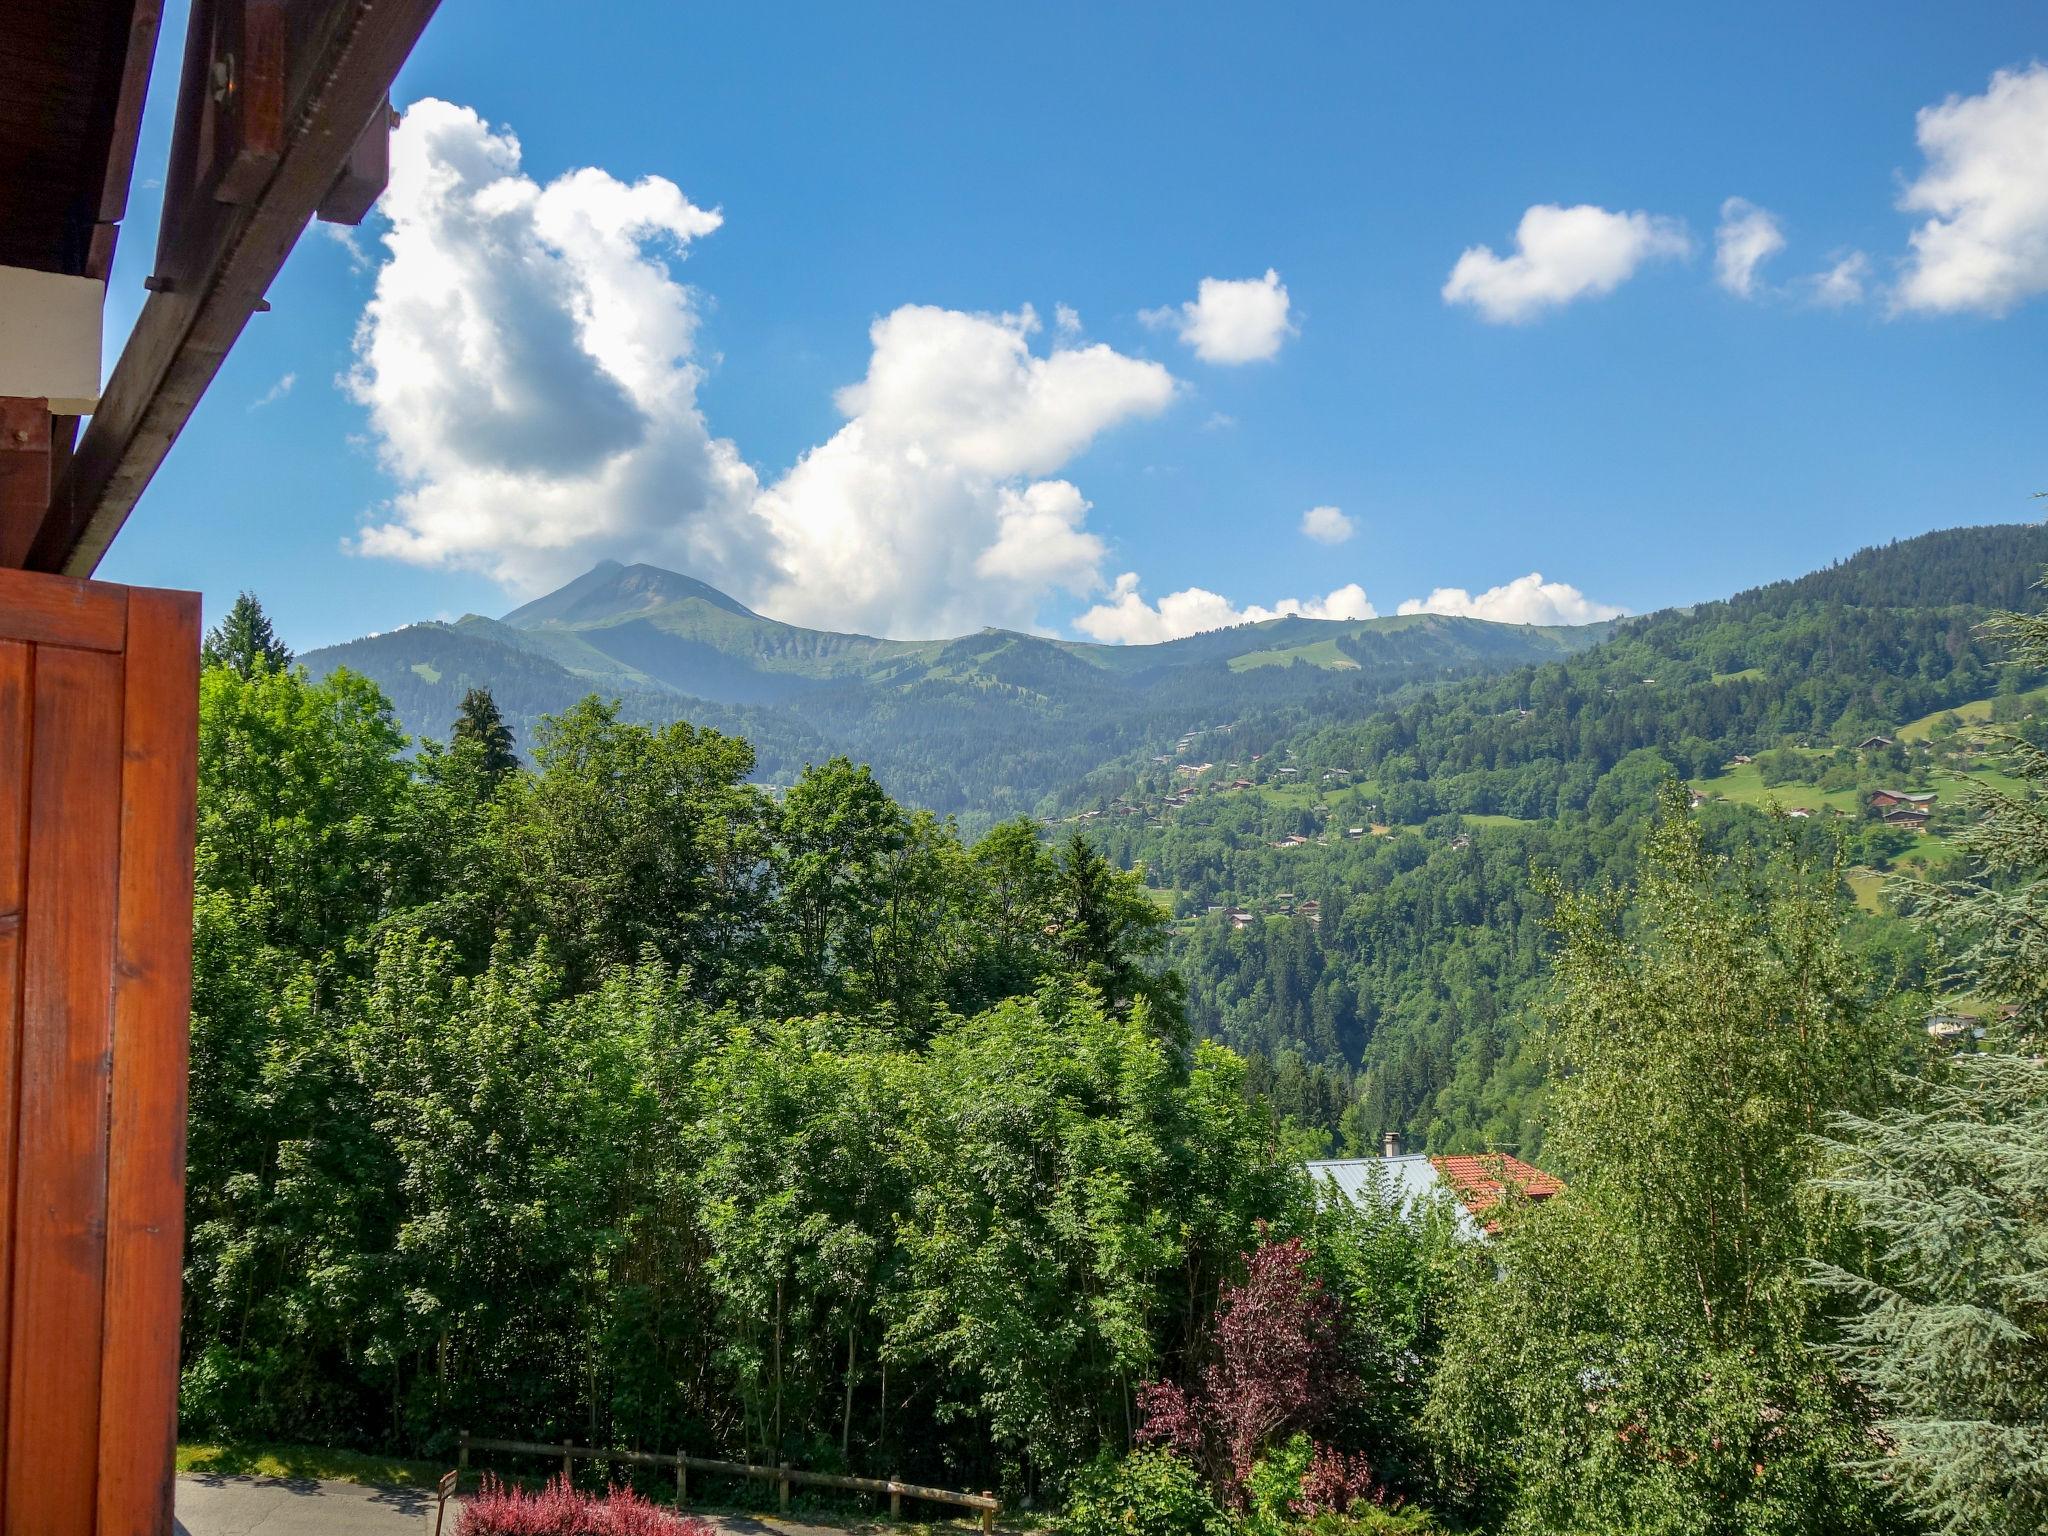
1950	1332
613	1096
622	1100
1642	1363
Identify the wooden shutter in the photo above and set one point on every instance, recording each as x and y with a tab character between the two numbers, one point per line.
98	754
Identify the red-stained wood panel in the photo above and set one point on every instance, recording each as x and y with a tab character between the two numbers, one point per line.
98	746
60	1249
47	610
15	682
146	1134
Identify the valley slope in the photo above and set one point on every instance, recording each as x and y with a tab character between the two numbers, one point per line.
1354	897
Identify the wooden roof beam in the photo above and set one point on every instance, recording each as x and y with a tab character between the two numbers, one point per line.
217	257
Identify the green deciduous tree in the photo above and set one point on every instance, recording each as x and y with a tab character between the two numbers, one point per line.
628	837
1643	1363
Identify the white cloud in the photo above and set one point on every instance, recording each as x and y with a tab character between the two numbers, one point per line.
1128	619
1842	284
346	236
1066	321
888	524
276	392
1747	237
1327	525
528	362
1042	540
1525	600
1231	320
1561	254
1985	245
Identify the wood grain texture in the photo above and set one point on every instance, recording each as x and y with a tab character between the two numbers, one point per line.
16	680
88	615
53	1423
152	1008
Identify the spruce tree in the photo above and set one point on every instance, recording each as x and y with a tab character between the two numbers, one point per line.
245	641
480	723
1950	1329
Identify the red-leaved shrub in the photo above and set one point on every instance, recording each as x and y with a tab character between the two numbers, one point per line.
1334	1482
559	1510
1275	1369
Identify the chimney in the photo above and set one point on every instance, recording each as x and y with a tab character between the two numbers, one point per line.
1390	1144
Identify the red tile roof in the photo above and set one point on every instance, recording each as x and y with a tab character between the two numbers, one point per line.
1481	1182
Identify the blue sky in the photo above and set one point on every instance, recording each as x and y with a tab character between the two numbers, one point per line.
563	367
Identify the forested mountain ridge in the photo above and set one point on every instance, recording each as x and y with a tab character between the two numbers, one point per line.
984	725
1365	905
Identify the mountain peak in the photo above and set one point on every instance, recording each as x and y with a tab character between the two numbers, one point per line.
609	590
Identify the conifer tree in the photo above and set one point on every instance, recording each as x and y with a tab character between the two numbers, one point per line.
480	722
1950	1334
245	641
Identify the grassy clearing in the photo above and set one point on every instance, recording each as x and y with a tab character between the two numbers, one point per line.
1745	675
1744	785
307	1461
1323	653
1491	820
1867	886
1975	713
1992	778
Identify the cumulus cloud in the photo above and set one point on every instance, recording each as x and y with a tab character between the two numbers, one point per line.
1231	320
1842	284
1561	254
1128	619
1525	600
1747	237
524	360
937	478
1985	187
1327	525
528	363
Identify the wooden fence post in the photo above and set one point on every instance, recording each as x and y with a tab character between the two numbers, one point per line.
462	1456
568	1470
988	1516
895	1496
682	1481
784	1467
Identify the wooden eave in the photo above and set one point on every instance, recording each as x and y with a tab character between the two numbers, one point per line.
301	131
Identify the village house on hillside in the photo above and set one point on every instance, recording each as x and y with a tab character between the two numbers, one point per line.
1477	1184
1901	808
1873	743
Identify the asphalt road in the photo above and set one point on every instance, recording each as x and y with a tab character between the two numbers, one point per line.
209	1505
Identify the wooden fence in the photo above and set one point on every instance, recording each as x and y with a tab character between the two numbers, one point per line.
783	1475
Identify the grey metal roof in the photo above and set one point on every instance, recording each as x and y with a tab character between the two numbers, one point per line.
1408	1180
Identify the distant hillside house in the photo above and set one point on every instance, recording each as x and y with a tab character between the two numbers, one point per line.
1951	1026
1885	799
1912	816
1873	743
1477	1184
